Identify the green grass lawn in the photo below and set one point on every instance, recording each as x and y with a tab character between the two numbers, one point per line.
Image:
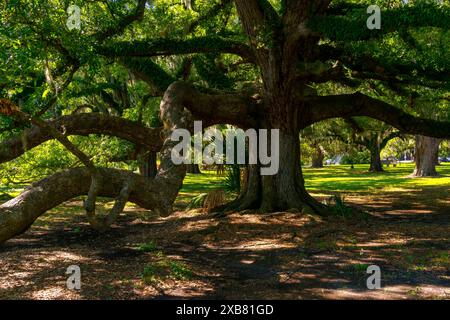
195	184
341	179
344	179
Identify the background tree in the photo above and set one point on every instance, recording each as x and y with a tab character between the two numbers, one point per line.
426	151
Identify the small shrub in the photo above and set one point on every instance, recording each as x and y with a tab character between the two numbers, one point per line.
197	202
77	230
165	269
339	207
361	267
149	275
180	271
232	179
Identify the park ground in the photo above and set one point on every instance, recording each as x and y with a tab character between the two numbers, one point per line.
285	255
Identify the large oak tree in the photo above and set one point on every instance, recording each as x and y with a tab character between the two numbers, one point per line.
284	48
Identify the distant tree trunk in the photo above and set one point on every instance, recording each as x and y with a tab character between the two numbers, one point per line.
148	166
375	159
426	152
193	168
317	157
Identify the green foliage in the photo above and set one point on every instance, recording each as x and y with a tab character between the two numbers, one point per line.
360	157
149	274
52	156
150	246
412	45
197	201
180	270
166	268
150	72
36	164
351	25
232	181
339	207
208	69
361	267
5	197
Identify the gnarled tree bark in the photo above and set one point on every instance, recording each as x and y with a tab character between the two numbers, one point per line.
17	215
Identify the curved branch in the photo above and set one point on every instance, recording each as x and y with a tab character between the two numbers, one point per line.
238	109
83	125
159	194
150	72
137	15
389	137
358	104
17	215
364	66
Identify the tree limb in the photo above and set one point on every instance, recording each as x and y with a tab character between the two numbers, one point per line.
238	109
353	28
167	47
137	15
17	215
83	125
358	104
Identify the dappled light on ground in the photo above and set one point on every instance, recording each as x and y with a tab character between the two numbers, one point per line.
284	255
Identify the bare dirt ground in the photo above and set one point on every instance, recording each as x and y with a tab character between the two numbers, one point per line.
285	255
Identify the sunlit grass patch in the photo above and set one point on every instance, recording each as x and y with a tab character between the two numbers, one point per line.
345	179
433	259
166	269
150	246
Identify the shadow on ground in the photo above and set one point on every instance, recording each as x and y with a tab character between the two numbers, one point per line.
278	256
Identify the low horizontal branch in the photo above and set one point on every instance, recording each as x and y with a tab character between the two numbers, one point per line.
238	109
82	124
358	104
167	47
18	214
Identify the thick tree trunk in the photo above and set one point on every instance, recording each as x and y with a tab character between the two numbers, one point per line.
250	196
436	157
375	159
193	168
317	157
282	191
286	189
426	150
